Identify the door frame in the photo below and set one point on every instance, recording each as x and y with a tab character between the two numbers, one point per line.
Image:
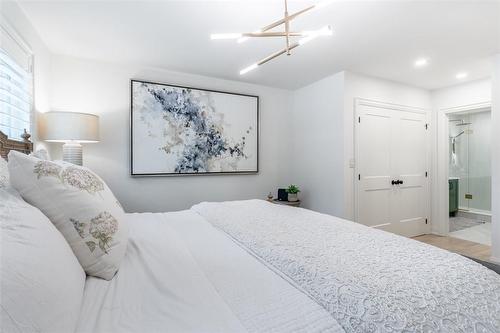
441	210
358	102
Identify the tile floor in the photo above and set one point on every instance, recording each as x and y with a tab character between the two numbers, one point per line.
471	227
463	222
479	233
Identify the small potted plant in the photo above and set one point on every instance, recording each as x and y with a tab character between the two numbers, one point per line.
293	191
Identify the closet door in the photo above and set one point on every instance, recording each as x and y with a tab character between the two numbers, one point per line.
376	137
409	165
391	158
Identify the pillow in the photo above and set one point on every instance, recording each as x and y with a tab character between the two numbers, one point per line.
79	204
41	281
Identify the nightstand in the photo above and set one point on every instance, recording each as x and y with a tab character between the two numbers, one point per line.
286	203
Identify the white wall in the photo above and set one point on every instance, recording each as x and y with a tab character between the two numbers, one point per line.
361	86
104	89
463	94
317	148
16	19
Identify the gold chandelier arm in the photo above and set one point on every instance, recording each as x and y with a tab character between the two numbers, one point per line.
287	29
277	54
274	34
283	20
325	31
263	34
288	18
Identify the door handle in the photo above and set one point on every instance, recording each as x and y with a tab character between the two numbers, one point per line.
399	181
393	182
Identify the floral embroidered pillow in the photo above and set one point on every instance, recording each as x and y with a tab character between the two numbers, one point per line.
79	204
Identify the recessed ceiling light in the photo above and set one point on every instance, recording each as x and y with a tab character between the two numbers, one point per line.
421	62
461	75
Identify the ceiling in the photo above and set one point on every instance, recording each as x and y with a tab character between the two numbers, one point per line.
378	38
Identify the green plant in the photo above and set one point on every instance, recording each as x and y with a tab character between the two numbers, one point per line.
293	189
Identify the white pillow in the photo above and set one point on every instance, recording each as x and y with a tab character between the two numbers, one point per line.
41	281
79	204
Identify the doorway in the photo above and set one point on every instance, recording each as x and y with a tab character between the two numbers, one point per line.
470	176
392	184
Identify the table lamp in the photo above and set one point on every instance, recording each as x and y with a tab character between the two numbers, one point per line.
72	128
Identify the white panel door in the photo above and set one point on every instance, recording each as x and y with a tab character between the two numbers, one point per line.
375	190
392	183
409	167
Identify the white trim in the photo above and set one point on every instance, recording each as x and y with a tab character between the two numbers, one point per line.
441	211
474	211
475	107
392	106
381	225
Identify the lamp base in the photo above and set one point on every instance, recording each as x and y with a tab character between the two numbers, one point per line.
72	153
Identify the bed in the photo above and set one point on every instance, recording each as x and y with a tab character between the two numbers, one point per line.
196	274
251	266
194	279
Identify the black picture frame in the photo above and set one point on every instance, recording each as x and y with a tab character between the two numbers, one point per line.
174	174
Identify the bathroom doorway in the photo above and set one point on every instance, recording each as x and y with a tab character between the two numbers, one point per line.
470	176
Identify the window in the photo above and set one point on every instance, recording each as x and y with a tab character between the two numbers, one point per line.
16	84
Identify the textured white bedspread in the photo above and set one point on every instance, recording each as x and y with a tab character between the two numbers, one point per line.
180	274
369	280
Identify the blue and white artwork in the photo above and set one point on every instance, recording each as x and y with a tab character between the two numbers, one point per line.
180	130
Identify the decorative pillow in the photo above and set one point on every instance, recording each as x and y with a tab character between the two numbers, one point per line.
79	204
41	281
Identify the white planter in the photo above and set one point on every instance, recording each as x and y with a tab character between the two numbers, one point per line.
293	197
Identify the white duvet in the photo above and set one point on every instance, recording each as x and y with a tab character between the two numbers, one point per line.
368	280
180	274
251	266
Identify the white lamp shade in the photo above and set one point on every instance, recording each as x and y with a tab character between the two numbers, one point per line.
59	126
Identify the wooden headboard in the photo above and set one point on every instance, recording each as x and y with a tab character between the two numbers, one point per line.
6	144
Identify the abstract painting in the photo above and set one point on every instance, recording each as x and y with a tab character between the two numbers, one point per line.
186	131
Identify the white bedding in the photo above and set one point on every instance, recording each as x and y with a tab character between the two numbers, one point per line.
251	266
180	274
369	280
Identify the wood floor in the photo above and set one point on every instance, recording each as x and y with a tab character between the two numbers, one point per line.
464	247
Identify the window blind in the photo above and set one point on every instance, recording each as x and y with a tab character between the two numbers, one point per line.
16	87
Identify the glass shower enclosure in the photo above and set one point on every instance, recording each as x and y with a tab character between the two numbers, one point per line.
470	160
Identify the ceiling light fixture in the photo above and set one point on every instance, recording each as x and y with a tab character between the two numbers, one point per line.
461	75
225	36
421	62
307	36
